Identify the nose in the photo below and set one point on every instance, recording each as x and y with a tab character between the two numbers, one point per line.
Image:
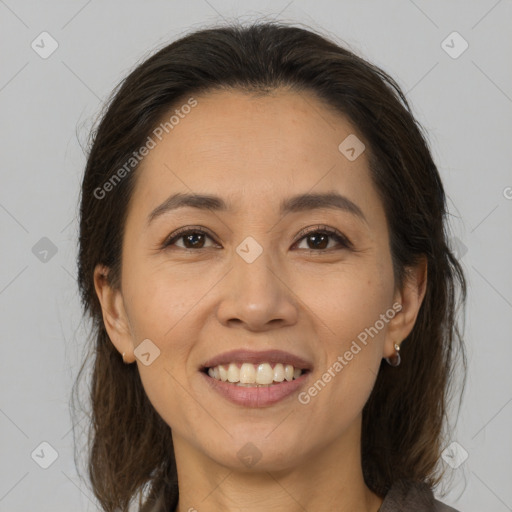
257	296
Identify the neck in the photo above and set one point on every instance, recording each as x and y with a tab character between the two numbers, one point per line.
330	479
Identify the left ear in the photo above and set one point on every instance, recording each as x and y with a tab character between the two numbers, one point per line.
410	296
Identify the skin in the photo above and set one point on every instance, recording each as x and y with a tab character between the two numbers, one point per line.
254	152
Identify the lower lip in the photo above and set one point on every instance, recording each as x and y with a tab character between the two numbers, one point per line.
256	396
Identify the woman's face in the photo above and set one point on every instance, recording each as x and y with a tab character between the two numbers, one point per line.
255	281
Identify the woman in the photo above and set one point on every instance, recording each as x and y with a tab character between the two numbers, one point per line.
263	253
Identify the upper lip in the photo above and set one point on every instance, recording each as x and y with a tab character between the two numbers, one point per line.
257	357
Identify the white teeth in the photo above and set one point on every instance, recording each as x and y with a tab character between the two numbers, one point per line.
248	374
214	372
265	374
233	373
223	373
279	372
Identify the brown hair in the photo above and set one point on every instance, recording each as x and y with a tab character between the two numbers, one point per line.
130	446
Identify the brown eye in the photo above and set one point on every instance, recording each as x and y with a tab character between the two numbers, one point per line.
190	238
193	240
318	239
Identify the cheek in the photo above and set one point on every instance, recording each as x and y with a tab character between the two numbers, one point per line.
159	300
354	308
351	302
359	315
160	307
160	316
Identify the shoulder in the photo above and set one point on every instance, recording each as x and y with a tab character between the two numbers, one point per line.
441	507
406	495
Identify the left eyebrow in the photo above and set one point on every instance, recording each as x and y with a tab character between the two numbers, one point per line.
298	203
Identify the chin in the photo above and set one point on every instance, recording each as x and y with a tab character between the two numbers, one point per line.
256	450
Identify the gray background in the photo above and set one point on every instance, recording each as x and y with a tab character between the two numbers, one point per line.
49	105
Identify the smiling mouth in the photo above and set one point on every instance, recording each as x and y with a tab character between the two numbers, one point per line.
254	375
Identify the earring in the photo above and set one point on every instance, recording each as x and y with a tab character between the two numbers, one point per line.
395	359
123	358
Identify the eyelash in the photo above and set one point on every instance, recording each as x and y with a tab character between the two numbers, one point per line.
320	229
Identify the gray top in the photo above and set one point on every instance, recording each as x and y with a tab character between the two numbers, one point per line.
408	496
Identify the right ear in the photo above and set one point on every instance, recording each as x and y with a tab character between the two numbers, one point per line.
114	313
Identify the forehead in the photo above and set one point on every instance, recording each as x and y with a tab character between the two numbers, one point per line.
254	151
